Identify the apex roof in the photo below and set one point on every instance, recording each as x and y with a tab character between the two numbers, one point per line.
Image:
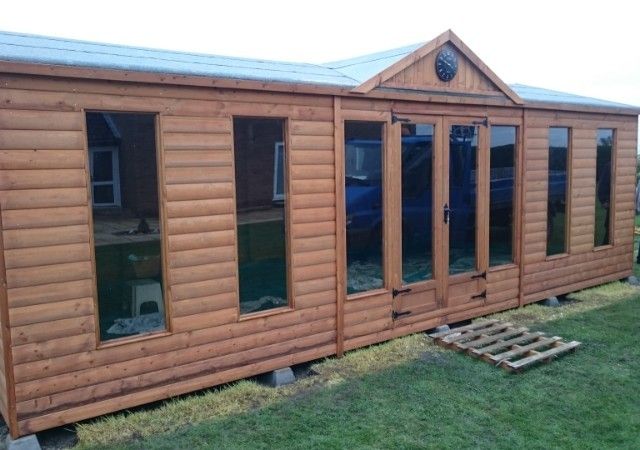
360	75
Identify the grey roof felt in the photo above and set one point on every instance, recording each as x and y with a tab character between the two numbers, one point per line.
536	94
347	73
364	67
46	50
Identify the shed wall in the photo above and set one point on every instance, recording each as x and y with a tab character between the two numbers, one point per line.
61	373
583	266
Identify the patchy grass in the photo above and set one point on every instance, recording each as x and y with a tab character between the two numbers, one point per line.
409	393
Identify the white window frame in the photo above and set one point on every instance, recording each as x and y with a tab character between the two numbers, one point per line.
115	176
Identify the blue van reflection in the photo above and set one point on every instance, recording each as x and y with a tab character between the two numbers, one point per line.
363	191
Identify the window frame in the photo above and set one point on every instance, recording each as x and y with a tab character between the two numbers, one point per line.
422	284
342	203
115	176
286	142
516	202
162	219
612	190
567	219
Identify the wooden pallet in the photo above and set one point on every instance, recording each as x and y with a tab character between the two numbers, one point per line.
502	344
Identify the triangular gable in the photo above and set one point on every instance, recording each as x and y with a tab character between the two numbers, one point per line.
416	71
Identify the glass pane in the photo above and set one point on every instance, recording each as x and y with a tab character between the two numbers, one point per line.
127	239
417	200
463	148
262	261
363	198
102	166
557	190
103	194
501	188
602	233
278	176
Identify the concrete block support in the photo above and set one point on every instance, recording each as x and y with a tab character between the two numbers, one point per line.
279	377
29	442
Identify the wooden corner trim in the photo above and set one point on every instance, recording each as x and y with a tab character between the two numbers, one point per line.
7	355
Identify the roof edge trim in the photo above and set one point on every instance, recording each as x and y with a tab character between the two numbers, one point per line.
411	58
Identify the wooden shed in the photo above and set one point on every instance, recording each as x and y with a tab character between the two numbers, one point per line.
174	221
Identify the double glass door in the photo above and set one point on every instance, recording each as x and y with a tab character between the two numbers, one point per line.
432	234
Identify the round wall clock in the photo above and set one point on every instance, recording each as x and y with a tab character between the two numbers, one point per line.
446	64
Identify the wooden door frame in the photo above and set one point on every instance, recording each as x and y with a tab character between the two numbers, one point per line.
482	203
436	282
388	153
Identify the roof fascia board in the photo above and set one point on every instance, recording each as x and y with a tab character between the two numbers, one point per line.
405	62
12	67
455	40
413	57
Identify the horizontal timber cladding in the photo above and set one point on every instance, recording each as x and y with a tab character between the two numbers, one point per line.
62	373
583	266
56	371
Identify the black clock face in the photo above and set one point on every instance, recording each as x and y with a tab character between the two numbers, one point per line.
446	64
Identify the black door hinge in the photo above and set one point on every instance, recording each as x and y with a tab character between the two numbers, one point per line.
396	292
397	314
447	213
482	294
395	119
484	122
480	275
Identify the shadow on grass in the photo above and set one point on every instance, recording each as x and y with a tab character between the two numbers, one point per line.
444	399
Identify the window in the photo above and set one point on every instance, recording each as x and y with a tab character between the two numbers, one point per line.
363	200
463	195
558	185
126	227
105	173
260	174
502	183
417	201
604	167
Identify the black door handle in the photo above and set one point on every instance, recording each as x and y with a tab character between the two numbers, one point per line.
447	213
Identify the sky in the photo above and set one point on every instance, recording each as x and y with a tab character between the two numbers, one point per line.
582	47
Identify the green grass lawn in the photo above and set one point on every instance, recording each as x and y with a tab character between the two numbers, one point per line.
408	393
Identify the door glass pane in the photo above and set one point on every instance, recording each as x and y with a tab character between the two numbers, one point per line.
363	200
127	238
604	161
102	166
502	175
463	148
262	248
417	200
557	190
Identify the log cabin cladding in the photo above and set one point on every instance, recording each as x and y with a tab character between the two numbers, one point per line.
56	369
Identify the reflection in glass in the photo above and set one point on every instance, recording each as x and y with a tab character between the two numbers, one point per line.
126	224
502	177
602	232
463	149
417	200
260	208
557	191
363	199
